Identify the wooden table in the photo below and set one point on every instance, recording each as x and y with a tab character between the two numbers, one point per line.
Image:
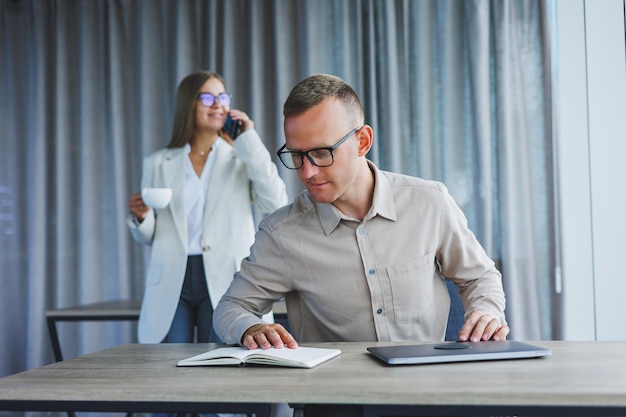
580	378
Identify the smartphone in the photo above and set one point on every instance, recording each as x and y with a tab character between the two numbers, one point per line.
231	127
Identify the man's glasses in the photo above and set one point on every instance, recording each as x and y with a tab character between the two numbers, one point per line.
208	99
321	157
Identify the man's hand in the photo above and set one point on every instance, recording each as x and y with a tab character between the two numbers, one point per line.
265	336
481	326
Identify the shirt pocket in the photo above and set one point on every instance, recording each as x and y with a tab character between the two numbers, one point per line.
412	288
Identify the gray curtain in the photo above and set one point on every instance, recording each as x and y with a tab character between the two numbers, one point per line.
456	91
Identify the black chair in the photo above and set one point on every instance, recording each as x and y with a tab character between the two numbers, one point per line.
457	313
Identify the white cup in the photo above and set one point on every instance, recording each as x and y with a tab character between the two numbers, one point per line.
156	198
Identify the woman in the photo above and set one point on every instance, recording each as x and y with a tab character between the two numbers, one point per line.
200	238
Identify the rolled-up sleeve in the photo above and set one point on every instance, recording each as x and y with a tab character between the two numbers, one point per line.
259	283
464	261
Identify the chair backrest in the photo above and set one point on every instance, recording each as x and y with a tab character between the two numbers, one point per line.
456	317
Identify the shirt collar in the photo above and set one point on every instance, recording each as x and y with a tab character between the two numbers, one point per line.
383	204
213	148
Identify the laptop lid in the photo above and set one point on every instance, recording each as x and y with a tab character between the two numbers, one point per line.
456	352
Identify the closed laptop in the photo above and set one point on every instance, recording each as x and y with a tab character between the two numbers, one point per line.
456	352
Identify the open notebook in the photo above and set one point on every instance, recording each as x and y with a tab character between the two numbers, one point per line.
456	352
302	357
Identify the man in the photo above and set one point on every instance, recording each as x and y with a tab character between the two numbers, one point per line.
361	254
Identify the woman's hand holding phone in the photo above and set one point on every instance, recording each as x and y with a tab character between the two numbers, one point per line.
236	123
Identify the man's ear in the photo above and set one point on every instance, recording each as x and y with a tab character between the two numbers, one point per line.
365	135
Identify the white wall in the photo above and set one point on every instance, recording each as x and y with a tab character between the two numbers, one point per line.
591	97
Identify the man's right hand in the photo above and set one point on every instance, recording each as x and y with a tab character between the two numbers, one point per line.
265	336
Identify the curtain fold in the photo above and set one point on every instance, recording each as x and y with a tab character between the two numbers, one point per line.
455	91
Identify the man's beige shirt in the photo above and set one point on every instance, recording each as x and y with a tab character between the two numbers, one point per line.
372	280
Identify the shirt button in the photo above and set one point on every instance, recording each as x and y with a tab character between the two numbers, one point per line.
372	271
379	311
361	231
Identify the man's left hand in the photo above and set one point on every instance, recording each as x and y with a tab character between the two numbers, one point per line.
482	326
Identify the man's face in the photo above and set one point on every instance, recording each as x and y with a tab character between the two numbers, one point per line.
322	127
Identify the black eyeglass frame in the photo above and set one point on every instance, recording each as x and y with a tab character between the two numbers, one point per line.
219	98
302	154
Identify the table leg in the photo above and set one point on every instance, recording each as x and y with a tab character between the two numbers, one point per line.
298	410
54	339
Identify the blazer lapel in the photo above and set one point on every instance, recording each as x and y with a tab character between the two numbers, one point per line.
174	173
221	167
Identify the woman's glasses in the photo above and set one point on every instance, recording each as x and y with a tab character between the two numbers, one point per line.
208	99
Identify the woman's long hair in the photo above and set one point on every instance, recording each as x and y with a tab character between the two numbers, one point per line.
185	115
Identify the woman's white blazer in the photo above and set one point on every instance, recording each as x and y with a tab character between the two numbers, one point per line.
242	175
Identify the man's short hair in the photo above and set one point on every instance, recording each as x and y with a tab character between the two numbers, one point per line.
314	89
